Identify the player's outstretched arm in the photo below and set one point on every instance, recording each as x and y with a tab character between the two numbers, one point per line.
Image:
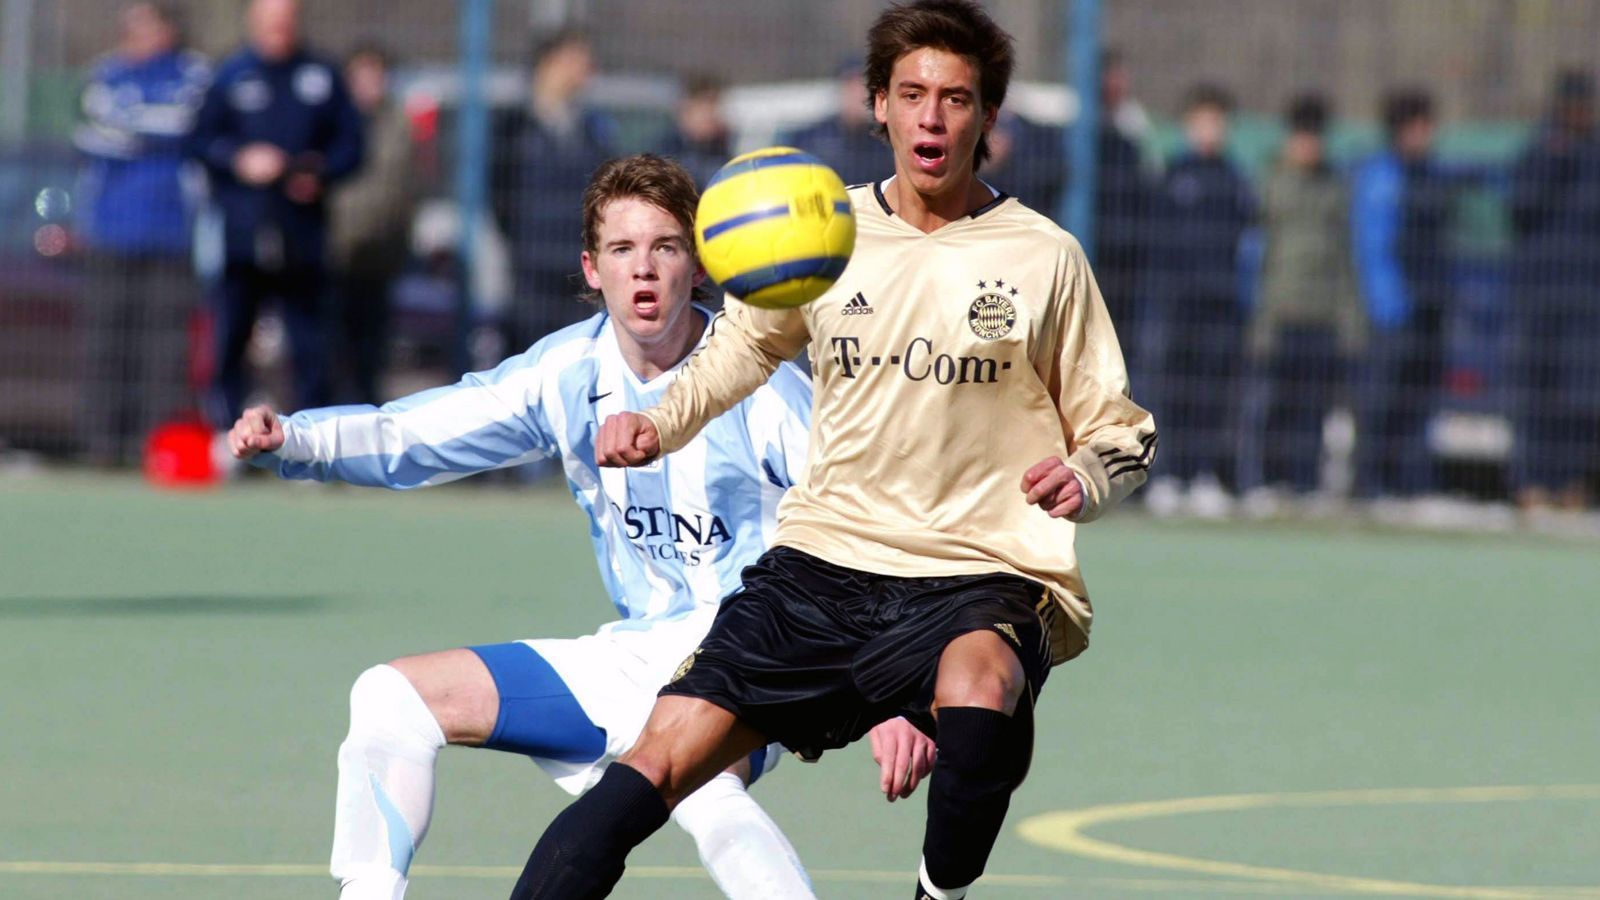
627	439
745	347
258	431
904	756
487	420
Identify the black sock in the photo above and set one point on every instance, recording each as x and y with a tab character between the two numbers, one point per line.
581	854
983	755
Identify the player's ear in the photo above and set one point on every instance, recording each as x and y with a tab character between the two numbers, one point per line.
880	107
991	114
590	273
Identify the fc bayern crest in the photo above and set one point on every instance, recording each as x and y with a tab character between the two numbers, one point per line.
992	315
685	666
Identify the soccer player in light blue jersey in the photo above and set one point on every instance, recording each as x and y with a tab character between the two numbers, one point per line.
671	540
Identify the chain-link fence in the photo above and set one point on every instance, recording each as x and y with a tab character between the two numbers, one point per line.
1351	248
1363	262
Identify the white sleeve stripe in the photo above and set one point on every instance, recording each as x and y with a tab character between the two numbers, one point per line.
450	414
393	434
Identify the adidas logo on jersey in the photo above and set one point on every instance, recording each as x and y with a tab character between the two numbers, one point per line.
857	306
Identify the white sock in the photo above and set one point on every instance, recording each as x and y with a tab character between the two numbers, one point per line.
385	793
740	845
937	893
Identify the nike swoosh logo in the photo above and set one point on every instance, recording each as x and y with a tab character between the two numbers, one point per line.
596	398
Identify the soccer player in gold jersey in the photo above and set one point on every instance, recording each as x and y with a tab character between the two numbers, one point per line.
971	408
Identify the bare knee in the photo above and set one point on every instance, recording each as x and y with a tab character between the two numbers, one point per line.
979	669
686	742
459	691
742	770
649	760
658	757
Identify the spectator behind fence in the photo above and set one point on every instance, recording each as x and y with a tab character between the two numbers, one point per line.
847	140
1193	331
1555	205
700	139
1400	215
545	153
1122	204
1025	161
276	130
1308	320
136	223
370	226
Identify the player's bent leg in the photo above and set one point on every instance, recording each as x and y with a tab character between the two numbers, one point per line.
459	691
385	792
685	743
984	744
401	714
746	853
531	709
979	669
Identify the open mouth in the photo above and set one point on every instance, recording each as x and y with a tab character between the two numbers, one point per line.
646	303
928	154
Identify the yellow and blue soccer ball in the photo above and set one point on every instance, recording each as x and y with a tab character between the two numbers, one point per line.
775	227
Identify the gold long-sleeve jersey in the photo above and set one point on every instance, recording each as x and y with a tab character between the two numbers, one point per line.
944	366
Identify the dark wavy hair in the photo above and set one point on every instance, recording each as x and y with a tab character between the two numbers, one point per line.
961	27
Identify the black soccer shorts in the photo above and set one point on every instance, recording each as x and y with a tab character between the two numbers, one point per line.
813	654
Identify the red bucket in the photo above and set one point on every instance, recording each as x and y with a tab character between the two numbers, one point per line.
178	455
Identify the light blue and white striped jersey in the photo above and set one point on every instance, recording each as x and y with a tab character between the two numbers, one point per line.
669	536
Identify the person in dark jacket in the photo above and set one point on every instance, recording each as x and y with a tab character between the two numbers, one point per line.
277	128
1308	321
846	141
700	139
1194	330
1121	208
1555	203
1400	218
370	226
547	150
1025	161
135	222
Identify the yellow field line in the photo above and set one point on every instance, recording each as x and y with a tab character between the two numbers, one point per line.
1059	830
1065	831
509	874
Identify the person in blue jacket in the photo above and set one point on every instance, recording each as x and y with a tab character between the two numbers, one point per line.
847	140
135	223
1401	201
1195	323
1555	209
277	128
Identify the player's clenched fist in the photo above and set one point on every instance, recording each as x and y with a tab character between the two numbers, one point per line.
627	439
257	431
1052	487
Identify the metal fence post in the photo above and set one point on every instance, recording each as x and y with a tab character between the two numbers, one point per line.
472	162
15	68
1082	138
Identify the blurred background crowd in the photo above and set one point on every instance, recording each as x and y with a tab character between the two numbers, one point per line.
1352	250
